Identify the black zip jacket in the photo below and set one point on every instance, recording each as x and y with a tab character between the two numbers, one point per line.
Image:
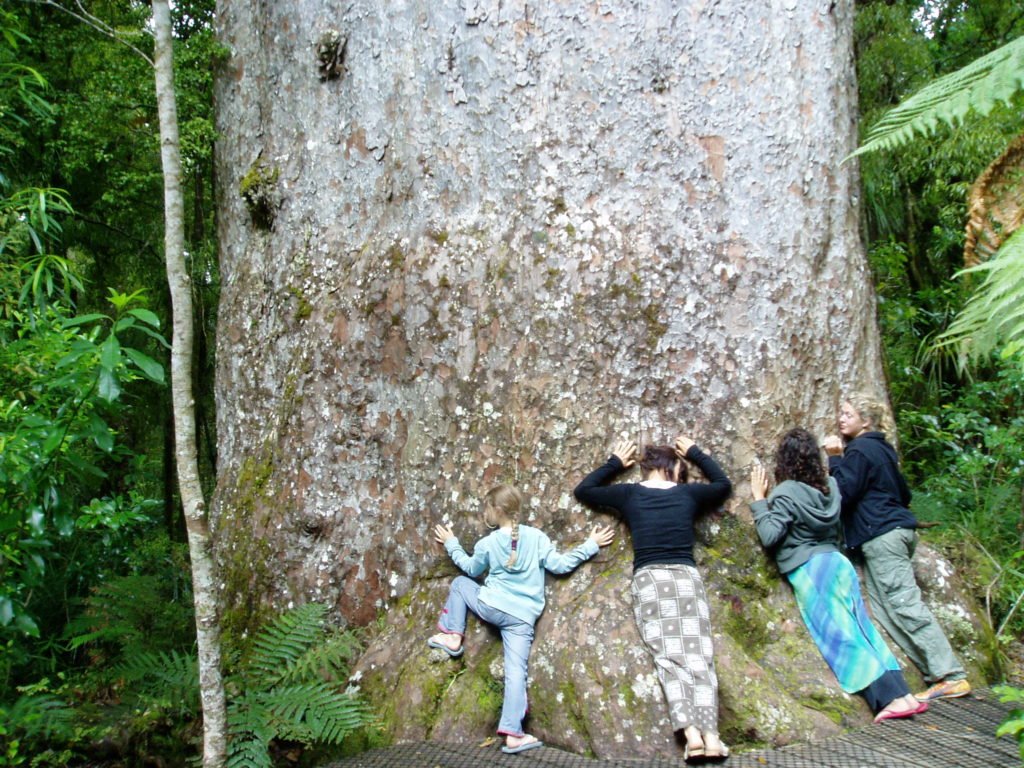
876	498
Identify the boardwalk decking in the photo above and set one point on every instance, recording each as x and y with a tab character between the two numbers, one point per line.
958	733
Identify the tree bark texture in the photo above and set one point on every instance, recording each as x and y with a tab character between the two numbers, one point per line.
204	585
473	242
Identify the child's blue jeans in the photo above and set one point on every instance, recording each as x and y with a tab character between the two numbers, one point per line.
516	638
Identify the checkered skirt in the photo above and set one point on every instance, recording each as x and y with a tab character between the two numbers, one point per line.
671	611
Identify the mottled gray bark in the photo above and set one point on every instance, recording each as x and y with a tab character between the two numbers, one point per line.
204	587
472	242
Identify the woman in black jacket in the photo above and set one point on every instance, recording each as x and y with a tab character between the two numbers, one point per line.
669	602
877	520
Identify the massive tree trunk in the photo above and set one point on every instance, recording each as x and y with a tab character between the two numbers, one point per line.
472	242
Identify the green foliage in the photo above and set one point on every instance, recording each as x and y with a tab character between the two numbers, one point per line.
164	680
22	88
285	687
80	592
62	378
132	614
1014	725
966	460
134	686
288	682
993	317
34	717
992	78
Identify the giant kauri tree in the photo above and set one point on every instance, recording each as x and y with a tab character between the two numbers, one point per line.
471	242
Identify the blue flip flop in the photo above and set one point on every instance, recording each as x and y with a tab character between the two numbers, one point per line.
446	649
522	747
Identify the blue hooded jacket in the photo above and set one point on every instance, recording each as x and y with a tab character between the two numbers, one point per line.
518	589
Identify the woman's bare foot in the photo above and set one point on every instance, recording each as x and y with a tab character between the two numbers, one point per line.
713	746
694	743
904	706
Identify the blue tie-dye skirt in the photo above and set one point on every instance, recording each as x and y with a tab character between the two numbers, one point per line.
828	594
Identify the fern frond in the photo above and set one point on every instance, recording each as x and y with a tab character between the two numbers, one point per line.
979	86
314	712
248	751
249	733
993	317
131	613
278	647
170	678
286	688
38	716
329	658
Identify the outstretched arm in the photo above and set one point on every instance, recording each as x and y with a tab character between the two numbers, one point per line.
472	565
556	562
718	487
592	489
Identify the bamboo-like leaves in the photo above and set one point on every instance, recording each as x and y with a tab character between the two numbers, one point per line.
979	86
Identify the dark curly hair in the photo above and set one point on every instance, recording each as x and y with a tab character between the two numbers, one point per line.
665	458
798	457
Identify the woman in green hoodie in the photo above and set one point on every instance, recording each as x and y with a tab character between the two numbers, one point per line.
799	522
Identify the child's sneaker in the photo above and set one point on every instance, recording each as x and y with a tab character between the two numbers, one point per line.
945	689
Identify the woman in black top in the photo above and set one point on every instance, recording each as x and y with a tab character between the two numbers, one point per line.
879	524
669	602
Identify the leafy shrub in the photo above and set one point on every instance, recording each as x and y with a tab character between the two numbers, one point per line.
1014	725
286	686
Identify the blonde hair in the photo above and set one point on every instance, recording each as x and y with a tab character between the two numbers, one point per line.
873	410
508	502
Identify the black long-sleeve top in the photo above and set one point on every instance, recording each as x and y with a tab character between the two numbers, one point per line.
660	519
876	498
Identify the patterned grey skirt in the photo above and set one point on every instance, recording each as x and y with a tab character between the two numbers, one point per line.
671	611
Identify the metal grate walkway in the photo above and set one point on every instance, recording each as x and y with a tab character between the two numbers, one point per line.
957	732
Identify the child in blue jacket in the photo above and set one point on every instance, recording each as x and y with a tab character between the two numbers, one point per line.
515	557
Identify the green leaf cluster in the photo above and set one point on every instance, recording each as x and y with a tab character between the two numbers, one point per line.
1014	725
62	377
995	77
288	688
993	317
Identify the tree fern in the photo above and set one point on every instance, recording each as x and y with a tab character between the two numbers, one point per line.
994	315
994	77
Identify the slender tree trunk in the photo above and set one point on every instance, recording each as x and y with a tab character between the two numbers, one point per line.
203	582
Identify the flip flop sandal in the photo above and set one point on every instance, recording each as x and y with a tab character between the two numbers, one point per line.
442	647
522	747
886	714
716	757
